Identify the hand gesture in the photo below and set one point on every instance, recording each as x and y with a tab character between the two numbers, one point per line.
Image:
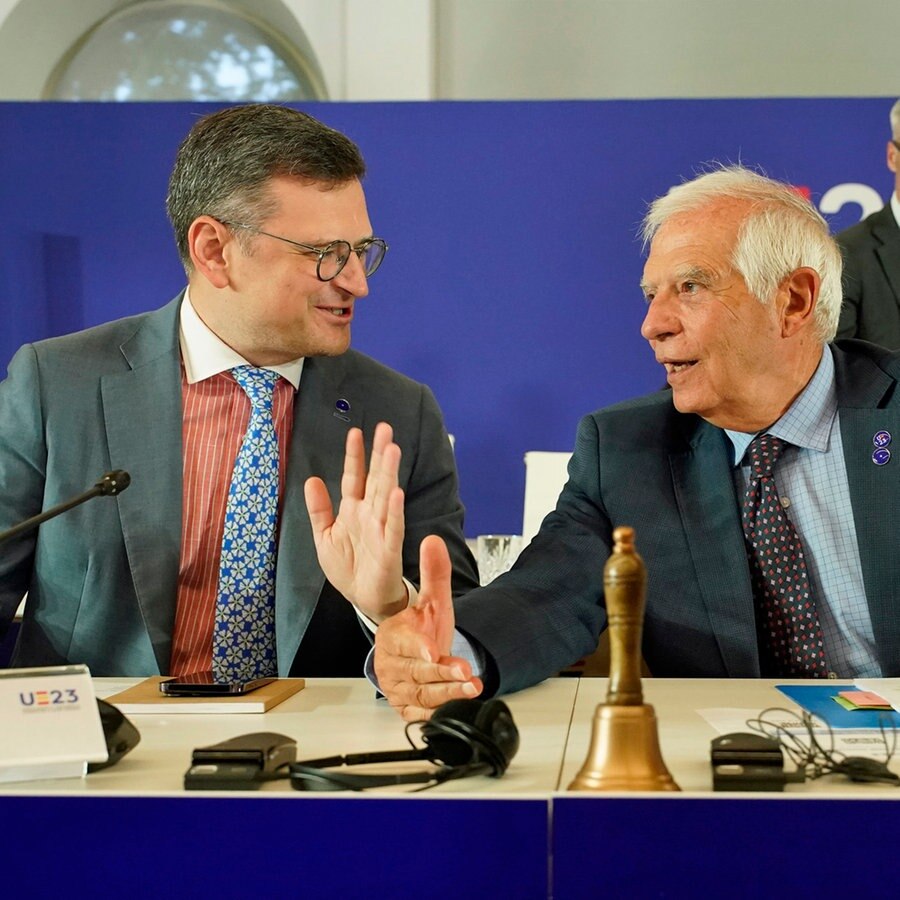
361	549
412	649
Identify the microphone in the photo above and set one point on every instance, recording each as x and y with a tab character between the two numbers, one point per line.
111	484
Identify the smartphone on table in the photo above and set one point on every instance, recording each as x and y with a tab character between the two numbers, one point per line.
204	684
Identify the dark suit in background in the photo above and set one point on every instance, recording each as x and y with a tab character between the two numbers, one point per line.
871	282
102	578
670	476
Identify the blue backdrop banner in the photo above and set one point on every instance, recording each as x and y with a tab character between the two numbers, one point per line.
511	283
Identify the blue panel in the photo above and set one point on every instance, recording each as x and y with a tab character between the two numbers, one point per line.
511	284
754	847
143	847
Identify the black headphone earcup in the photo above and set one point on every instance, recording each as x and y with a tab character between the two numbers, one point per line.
464	732
447	742
495	720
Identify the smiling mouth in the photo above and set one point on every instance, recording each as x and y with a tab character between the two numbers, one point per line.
342	312
674	367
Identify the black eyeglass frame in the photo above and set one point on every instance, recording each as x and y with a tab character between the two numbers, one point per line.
322	252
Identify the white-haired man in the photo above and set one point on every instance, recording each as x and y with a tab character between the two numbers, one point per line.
768	430
871	250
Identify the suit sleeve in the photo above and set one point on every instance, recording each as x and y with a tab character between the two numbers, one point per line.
432	504
23	459
547	611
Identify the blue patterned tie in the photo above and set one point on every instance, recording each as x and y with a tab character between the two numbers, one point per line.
244	634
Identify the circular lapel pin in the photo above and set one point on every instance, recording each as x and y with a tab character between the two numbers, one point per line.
881	456
341	408
881	439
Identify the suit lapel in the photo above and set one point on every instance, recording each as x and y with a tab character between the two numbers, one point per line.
874	493
142	411
704	490
317	448
886	232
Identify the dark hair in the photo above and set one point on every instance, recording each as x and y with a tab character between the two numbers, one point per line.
225	163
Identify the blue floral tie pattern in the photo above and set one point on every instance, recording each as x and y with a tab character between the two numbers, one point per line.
244	633
789	629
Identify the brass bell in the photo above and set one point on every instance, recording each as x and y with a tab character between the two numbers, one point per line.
624	754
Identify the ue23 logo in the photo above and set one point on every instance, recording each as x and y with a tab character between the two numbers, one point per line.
48	698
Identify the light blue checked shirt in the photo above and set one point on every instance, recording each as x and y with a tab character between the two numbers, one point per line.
811	478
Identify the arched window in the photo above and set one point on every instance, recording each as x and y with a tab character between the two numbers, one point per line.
166	50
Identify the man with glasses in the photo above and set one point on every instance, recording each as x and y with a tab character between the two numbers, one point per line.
225	406
871	251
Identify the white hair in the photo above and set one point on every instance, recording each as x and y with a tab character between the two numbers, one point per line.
895	121
781	232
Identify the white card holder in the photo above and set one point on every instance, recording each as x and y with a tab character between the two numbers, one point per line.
49	723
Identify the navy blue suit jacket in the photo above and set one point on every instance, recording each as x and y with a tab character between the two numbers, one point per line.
670	477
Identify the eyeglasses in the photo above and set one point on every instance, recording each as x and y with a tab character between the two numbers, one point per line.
331	259
895	143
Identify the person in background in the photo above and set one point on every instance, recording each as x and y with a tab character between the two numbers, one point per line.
221	406
871	251
762	488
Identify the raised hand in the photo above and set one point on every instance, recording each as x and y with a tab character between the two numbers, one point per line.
361	549
412	649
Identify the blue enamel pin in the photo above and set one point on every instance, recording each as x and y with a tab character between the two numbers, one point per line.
341	408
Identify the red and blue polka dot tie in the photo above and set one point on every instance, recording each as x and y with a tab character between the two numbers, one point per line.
790	635
244	632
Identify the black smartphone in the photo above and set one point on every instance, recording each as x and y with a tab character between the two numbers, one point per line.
204	684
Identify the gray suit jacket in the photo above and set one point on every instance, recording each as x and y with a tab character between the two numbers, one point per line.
102	578
669	476
871	251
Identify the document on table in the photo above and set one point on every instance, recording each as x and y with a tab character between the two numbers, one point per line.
726	720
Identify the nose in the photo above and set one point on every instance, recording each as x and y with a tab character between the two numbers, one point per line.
661	319
352	278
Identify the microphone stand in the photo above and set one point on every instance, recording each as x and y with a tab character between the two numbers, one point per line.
109	485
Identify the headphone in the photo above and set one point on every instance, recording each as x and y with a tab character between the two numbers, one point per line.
463	738
120	734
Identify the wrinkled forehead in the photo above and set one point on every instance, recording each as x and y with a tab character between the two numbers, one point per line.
704	236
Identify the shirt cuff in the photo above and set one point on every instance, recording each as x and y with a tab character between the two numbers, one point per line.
413	595
462	648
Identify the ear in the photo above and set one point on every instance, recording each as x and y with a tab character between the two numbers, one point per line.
207	242
799	295
892	156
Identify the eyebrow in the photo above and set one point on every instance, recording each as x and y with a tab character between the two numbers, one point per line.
324	242
690	273
697	273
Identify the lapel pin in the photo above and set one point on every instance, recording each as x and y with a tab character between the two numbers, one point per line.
881	439
341	408
881	456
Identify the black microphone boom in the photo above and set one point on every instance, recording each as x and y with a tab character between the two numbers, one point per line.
109	485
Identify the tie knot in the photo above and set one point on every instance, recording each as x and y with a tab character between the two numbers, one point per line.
258	384
763	453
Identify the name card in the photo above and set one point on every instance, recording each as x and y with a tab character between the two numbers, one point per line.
49	723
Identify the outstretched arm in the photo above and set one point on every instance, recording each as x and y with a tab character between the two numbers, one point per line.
361	549
415	671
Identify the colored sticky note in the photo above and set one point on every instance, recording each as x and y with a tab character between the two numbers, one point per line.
862	700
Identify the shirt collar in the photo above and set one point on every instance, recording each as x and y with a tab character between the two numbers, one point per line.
205	354
809	419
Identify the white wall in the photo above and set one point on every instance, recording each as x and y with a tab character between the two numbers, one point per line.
532	49
667	48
